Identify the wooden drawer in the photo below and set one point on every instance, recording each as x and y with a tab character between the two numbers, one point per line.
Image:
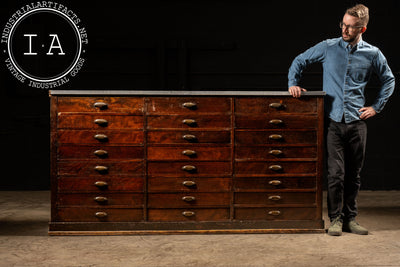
188	105
130	105
276	137
276	213
193	199
276	122
188	121
275	198
275	105
190	169
191	214
281	183
132	200
100	214
100	137
99	121
185	137
99	168
189	152
274	152
103	184
157	184
100	152
275	167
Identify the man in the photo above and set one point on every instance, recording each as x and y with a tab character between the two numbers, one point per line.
347	65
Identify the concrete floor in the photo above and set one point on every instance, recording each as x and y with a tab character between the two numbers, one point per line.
24	241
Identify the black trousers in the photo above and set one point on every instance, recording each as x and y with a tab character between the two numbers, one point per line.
346	144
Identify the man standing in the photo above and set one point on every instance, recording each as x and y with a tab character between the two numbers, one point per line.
347	65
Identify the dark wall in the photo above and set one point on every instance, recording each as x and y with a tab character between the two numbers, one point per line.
195	45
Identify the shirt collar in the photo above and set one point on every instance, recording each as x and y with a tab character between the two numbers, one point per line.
345	44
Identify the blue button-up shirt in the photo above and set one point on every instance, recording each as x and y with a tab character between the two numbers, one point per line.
346	71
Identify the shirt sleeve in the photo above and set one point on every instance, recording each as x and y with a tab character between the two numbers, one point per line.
387	80
312	55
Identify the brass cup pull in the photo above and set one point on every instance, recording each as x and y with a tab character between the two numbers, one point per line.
100	199
190	105
101	122
276	137
189	153
276	152
188	198
276	105
189	183
188	213
101	105
101	153
275	168
276	122
101	214
274	198
275	182
190	122
190	137
274	212
101	137
101	184
101	169
189	168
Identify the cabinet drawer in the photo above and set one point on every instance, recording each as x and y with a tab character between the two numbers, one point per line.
190	169
100	168
156	184
275	105
188	105
101	214
100	152
103	184
276	137
191	214
274	152
275	167
100	199
276	198
188	121
189	152
275	213
185	137
281	183
129	105
182	200
98	121
275	122
100	137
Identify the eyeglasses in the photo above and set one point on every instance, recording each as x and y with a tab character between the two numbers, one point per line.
342	25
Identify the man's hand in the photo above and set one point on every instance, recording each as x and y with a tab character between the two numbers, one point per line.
367	112
295	91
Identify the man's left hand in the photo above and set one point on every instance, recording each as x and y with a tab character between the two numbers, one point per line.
367	112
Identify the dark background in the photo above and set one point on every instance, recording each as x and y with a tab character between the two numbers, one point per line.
196	45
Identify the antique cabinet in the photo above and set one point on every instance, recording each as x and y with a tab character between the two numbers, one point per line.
126	162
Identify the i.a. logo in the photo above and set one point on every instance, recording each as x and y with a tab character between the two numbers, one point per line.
44	42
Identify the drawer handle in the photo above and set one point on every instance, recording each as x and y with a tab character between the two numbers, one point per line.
189	153
188	213
101	214
101	184
189	183
100	199
274	198
276	122
276	137
275	167
190	105
101	137
276	152
101	105
189	168
189	198
274	212
275	182
276	105
101	122
189	122
189	137
101	153
101	169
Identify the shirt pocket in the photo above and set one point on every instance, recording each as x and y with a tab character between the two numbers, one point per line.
360	72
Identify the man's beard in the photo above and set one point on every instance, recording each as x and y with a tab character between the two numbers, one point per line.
349	39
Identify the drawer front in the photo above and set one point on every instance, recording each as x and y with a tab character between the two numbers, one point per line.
100	214
100	152
275	199
100	199
101	168
99	121
156	184
188	105
130	105
182	200
189	152
188	121
274	152
100	137
187	137
103	184
276	213
164	215
275	105
275	122
190	169
276	167
281	183
275	137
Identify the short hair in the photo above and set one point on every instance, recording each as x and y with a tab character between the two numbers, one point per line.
360	11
